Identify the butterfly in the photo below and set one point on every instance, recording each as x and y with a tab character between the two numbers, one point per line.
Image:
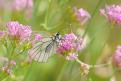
42	50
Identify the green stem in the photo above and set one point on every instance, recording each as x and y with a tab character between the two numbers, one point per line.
92	16
27	74
93	66
45	25
62	71
13	48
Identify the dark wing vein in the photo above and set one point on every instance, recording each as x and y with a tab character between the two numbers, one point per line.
48	51
35	49
42	51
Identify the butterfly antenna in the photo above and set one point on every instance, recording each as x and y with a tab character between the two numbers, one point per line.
67	29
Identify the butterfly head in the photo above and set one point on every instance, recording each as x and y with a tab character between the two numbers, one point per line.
57	36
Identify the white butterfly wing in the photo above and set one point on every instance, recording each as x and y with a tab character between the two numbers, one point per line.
41	51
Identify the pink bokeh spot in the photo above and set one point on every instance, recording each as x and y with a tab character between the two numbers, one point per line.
38	37
112	13
82	15
117	57
22	4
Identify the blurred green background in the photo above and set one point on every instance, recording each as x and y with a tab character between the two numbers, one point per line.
55	15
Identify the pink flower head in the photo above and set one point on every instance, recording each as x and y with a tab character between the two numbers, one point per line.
13	28
70	37
69	46
82	15
65	46
38	37
25	32
72	57
112	13
19	31
117	57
